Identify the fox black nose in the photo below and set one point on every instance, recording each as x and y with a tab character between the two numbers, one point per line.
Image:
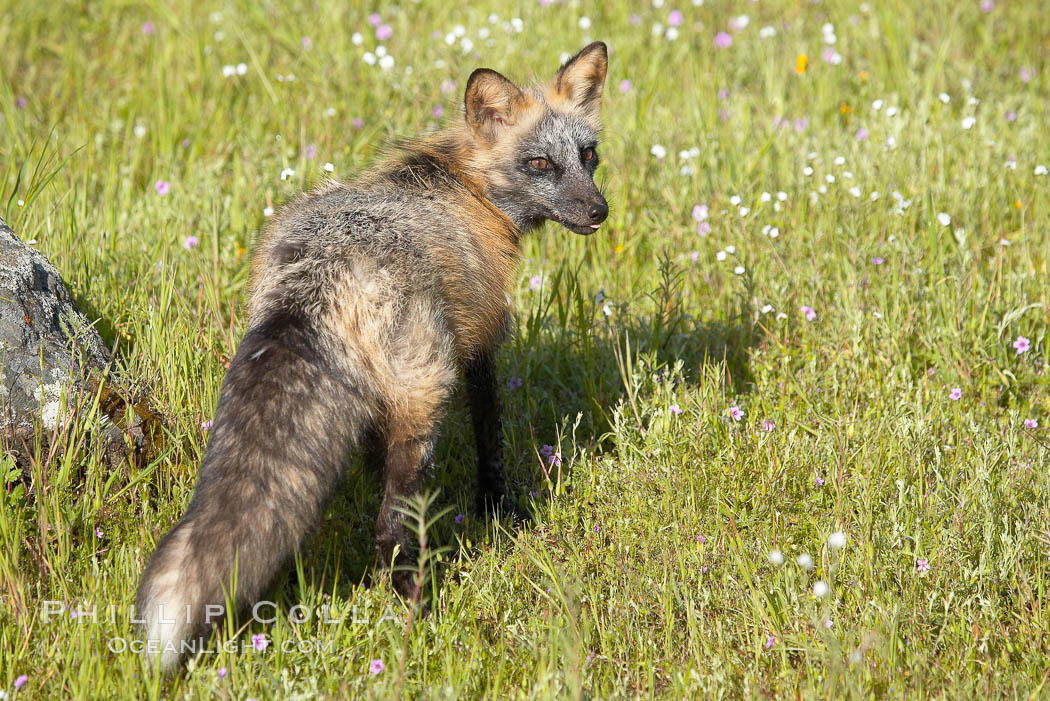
598	212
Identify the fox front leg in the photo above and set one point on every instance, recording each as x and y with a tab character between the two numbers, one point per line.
483	388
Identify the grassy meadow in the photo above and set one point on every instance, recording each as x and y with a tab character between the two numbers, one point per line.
784	422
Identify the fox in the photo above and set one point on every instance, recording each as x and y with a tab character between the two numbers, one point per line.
368	301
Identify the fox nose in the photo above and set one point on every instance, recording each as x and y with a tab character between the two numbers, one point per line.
598	211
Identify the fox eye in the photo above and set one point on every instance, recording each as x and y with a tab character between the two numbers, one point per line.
540	163
587	154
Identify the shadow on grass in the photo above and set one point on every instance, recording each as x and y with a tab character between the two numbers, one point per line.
566	371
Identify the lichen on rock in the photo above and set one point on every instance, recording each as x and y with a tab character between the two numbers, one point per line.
54	366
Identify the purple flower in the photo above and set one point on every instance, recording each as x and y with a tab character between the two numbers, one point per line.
555	460
1022	344
375	20
535	282
625	85
438	112
675	19
723	40
922	565
955	394
703	228
877	260
987	6
1031	423
819	481
700	212
20	103
801	123
20	681
311	152
1025	74
148	28
514	383
701	539
1011	116
460	518
675	409
770	641
307	44
162	187
736	413
768	425
547	451
260	642
221	674
862	134
189	242
357	122
809	312
376	666
206	425
448	86
384	32
694	256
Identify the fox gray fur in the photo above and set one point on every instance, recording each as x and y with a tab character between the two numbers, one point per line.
368	300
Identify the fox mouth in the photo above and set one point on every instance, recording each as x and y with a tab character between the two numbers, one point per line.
582	229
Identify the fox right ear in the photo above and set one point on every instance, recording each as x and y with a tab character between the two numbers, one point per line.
491	103
581	80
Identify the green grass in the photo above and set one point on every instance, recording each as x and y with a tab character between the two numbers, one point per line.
610	594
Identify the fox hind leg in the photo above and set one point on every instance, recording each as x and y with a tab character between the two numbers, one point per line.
408	458
422	373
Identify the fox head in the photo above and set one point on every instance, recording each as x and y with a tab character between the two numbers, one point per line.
536	148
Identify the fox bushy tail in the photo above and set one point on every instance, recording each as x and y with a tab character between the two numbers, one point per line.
287	418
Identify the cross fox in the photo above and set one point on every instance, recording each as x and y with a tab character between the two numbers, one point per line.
368	299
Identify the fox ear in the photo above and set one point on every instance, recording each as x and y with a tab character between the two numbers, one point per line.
580	81
491	103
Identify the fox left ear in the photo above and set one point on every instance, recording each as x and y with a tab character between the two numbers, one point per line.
580	81
491	103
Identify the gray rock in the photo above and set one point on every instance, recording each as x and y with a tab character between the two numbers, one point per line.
54	366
